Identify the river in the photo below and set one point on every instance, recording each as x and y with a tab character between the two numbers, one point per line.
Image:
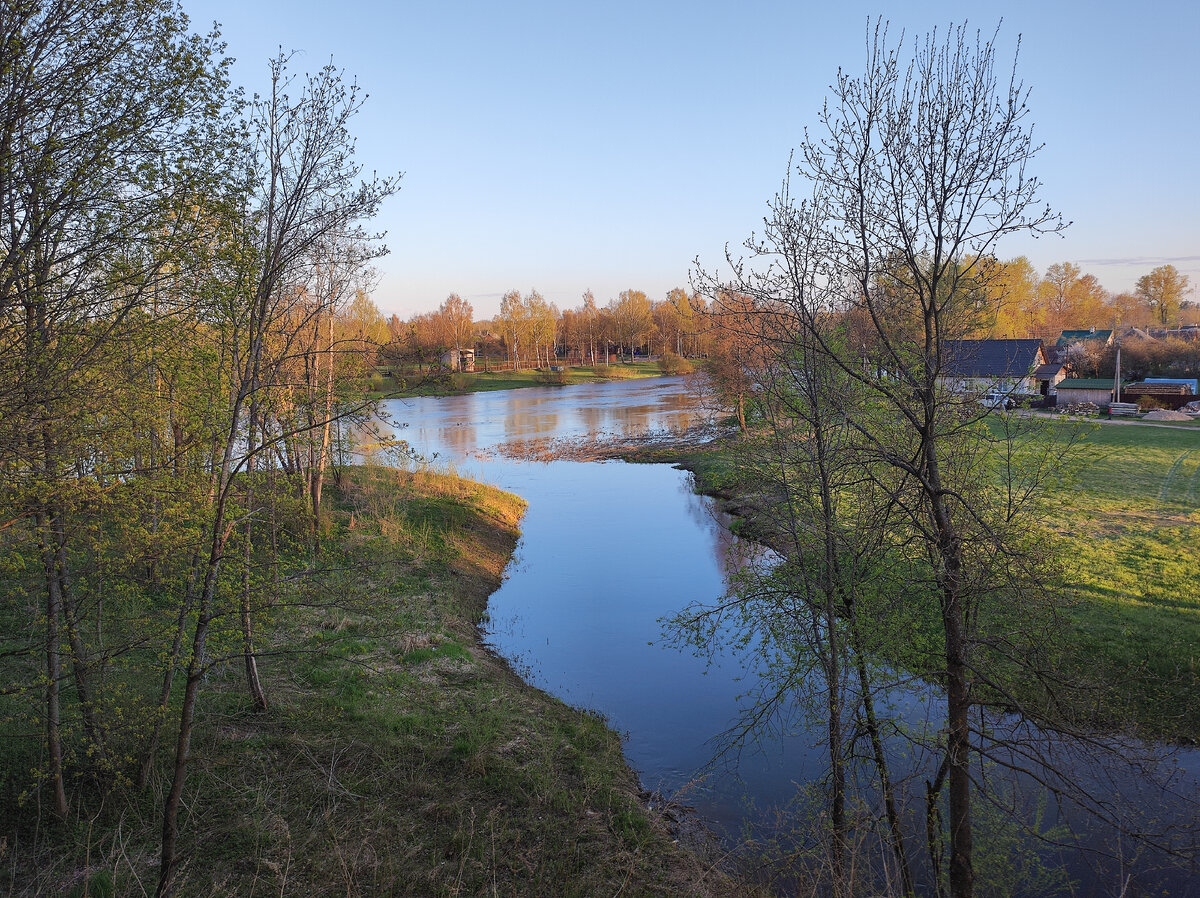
608	552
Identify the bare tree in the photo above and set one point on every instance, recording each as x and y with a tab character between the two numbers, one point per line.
306	190
918	172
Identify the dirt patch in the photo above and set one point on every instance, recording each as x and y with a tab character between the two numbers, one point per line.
1163	414
598	447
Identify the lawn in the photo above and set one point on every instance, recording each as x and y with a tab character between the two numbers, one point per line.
500	378
1128	517
1125	512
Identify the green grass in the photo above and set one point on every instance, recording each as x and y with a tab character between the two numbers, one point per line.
506	379
399	756
1126	519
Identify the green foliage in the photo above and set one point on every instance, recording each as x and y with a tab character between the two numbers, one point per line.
1147	403
1123	512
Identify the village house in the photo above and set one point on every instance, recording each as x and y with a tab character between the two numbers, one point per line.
1013	367
1089	340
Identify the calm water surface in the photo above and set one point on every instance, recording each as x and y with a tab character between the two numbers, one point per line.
608	550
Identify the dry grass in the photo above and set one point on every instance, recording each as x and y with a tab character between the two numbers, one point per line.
399	756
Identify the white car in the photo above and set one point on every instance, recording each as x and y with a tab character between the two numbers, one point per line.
997	400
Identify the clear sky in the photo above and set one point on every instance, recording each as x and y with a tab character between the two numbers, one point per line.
565	145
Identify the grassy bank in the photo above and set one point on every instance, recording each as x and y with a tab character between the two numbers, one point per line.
399	756
1126	519
500	378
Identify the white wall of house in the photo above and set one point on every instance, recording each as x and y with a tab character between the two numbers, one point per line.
981	385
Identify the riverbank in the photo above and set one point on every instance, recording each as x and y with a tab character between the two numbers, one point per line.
399	754
1125	517
393	384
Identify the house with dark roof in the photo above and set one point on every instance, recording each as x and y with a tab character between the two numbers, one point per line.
1089	338
1001	366
1080	350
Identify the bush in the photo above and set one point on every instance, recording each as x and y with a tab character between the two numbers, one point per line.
551	377
670	363
1148	403
615	371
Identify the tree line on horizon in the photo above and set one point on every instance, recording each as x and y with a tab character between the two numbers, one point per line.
529	330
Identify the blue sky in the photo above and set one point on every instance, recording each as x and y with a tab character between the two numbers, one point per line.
563	146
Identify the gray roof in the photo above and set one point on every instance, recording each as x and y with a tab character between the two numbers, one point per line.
1048	371
991	358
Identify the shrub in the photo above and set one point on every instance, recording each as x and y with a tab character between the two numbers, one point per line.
1148	403
670	363
615	371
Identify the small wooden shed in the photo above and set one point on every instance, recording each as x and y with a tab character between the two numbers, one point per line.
460	360
1085	389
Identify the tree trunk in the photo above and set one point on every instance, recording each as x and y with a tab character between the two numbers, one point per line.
53	674
318	474
958	697
895	832
257	694
164	695
195	675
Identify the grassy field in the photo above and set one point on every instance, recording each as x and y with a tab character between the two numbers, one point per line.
1127	517
507	379
399	755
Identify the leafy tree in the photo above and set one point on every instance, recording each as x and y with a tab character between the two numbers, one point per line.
306	192
457	314
514	320
1071	299
591	318
111	123
1162	291
542	318
1015	295
632	318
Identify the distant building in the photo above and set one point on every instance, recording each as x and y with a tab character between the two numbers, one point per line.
1170	392
1001	366
459	360
1089	338
1049	376
1097	390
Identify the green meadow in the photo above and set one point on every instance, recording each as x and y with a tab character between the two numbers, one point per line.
1127	520
501	378
1125	512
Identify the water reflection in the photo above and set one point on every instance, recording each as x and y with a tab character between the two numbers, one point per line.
608	551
